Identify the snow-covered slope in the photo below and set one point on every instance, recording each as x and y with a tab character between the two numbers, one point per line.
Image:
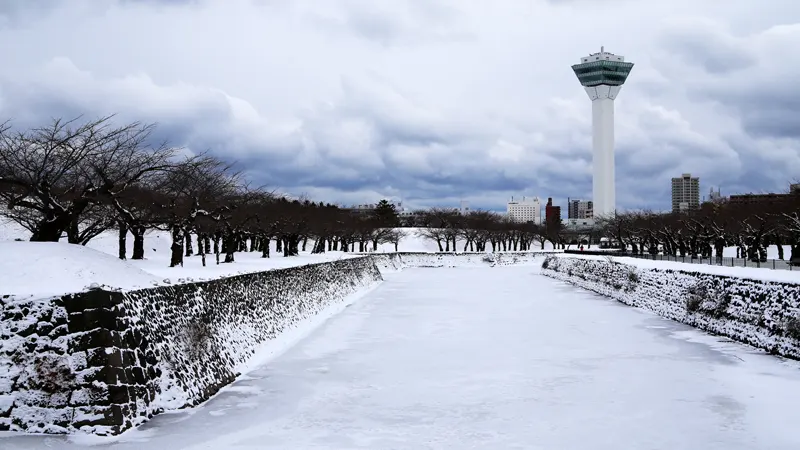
32	269
42	269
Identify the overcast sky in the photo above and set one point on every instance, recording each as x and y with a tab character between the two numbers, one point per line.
428	101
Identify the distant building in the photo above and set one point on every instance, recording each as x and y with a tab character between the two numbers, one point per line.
529	209
463	207
552	213
715	196
685	193
580	223
369	208
580	209
770	198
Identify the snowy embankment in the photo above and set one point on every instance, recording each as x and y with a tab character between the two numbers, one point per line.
36	270
111	354
753	306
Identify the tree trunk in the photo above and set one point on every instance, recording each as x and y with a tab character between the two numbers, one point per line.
189	248
176	258
138	242
264	242
202	249
319	246
305	242
50	228
73	233
122	244
280	245
291	245
216	246
229	246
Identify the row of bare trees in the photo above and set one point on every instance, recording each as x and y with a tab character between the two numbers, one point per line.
704	233
77	179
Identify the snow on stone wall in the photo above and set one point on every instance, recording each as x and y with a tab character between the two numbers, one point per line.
103	361
765	314
399	261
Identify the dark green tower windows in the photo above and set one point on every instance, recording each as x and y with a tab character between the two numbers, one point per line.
595	73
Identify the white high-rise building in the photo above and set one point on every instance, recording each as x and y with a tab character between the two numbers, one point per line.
529	209
685	193
602	76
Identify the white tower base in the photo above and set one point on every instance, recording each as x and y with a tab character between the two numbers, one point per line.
603	185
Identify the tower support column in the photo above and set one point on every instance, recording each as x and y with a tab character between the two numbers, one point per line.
603	177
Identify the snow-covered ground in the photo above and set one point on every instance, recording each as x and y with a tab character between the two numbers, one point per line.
772	252
42	269
492	359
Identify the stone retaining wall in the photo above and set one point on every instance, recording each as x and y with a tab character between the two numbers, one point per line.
763	314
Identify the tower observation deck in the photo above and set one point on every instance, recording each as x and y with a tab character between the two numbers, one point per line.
602	76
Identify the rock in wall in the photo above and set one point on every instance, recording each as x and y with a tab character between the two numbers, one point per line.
760	313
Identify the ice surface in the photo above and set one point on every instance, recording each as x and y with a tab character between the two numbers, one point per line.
493	359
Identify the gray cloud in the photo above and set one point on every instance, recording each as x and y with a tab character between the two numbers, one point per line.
18	12
431	102
705	43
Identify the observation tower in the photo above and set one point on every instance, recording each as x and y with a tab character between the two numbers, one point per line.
602	76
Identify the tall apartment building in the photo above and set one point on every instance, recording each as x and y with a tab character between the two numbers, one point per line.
526	210
685	193
580	209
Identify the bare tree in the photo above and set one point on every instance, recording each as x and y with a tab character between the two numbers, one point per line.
57	171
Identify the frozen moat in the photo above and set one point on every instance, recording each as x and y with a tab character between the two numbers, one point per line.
497	358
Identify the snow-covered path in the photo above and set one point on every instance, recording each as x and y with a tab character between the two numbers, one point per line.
496	358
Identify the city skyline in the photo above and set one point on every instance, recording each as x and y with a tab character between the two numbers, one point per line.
432	102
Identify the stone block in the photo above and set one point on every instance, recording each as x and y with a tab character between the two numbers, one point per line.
93	416
100	318
118	394
99	337
93	299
